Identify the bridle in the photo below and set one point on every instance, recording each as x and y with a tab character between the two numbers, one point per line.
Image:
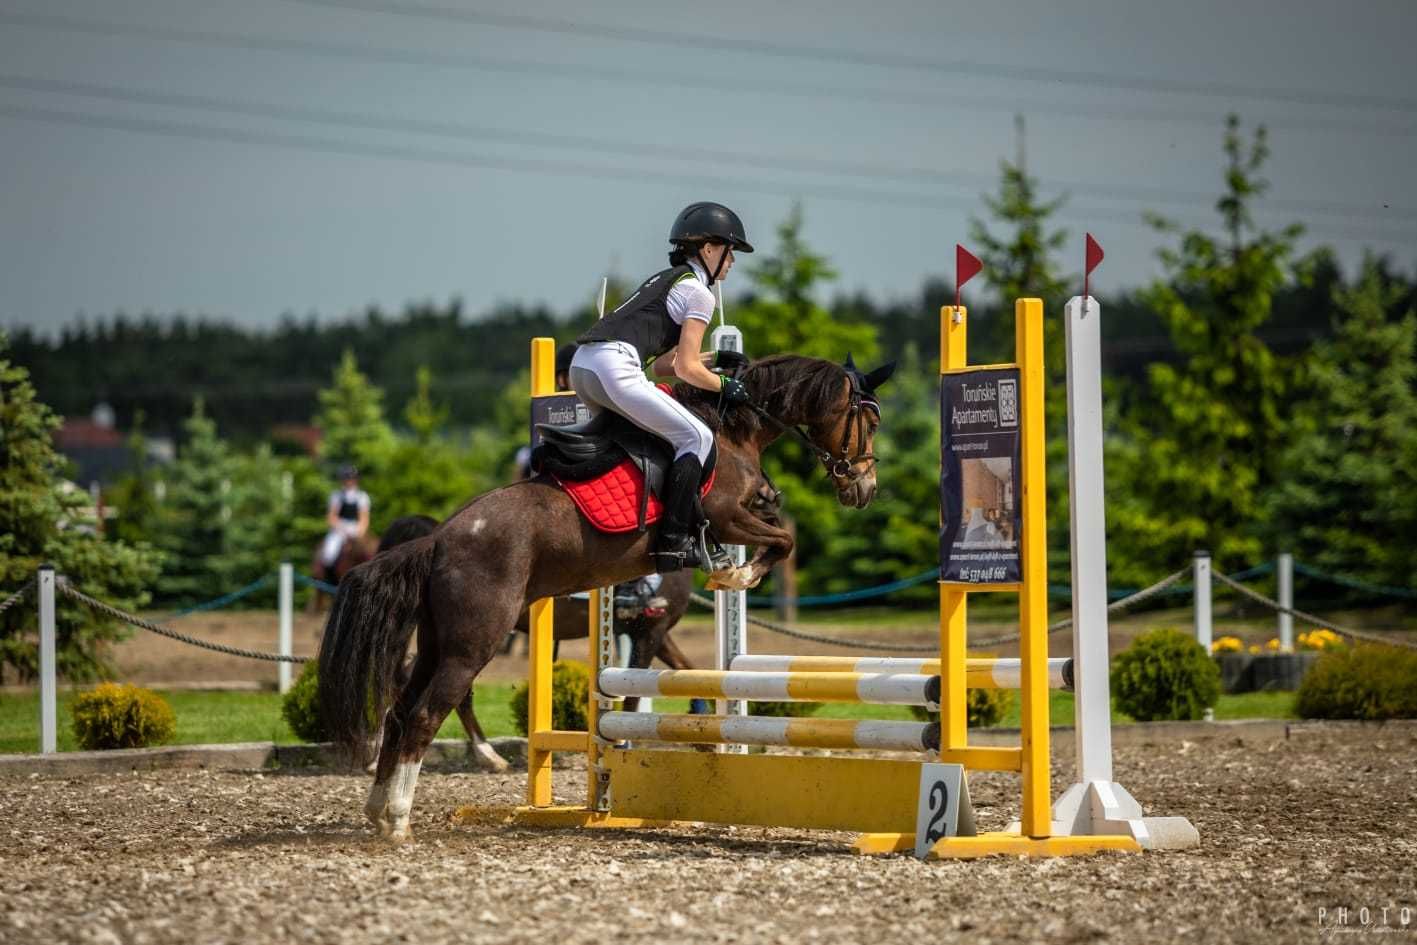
838	467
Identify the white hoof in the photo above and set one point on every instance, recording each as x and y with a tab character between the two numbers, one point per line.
376	808
485	756
738	578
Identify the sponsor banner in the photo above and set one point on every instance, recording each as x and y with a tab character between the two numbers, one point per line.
981	521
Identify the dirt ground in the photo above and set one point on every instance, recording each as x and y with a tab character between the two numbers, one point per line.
1292	831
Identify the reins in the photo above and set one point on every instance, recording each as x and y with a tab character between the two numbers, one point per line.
838	467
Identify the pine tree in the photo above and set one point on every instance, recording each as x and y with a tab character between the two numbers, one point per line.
426	474
1347	497
39	523
1199	450
195	521
351	420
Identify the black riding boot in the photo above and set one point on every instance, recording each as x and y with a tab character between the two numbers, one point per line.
677	544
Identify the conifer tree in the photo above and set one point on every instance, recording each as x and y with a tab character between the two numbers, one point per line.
40	523
351	420
195	520
1346	501
1199	450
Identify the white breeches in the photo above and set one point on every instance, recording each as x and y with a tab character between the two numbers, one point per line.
607	375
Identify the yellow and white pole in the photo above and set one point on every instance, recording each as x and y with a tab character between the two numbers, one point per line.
954	706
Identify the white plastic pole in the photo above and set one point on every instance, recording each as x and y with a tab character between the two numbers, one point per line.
1286	599
287	623
48	714
1202	599
1093	703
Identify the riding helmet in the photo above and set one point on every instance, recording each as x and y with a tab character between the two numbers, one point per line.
709	221
348	471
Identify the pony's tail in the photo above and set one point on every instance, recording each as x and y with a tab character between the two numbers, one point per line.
366	637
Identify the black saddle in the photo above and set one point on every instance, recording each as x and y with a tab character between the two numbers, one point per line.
584	451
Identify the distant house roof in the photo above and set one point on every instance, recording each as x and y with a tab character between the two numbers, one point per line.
83	433
302	435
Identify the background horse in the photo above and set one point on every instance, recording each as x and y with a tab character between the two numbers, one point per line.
648	633
463	586
352	553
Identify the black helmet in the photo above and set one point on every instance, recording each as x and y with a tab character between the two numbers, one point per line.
348	471
564	354
710	221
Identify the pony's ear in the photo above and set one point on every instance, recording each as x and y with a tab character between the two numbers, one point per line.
879	376
849	364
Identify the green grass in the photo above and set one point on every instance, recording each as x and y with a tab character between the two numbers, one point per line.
207	718
218	717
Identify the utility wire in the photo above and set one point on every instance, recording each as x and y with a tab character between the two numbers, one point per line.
641	79
843	192
837	56
451	129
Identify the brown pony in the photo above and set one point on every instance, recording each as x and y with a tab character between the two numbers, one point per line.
463	586
648	633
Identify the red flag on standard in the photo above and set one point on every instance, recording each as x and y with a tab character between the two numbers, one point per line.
1092	256
967	266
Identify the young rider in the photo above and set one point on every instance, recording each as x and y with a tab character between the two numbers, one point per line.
664	323
348	516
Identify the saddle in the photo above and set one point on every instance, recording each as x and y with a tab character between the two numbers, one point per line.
613	470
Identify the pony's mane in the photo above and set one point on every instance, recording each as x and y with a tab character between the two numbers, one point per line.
793	388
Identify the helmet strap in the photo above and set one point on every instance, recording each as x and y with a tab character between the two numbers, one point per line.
717	270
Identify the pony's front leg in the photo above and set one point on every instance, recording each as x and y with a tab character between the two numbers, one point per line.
773	544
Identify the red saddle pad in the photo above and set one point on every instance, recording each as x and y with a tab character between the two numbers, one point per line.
611	502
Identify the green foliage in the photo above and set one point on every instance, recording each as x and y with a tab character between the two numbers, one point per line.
784	710
351	420
121	716
983	708
426	473
40	523
1196	452
300	706
1347	496
1164	674
1363	682
570	691
194	523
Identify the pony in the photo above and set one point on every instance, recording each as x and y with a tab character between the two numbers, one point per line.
463	586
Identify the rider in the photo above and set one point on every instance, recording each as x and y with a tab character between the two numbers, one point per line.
664	322
348	516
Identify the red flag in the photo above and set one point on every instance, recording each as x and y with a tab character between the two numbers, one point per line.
1092	256
967	266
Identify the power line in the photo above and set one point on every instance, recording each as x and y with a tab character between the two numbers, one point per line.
193	130
579	73
585	143
837	56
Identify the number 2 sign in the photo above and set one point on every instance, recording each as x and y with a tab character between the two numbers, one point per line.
944	809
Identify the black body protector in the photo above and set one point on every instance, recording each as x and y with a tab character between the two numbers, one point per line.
348	509
643	319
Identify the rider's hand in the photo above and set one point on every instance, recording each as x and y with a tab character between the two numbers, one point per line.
730	361
734	391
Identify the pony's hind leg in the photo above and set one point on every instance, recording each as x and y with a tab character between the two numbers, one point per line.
457	638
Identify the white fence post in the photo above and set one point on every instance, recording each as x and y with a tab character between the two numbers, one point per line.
1201	580
48	714
287	622
1286	599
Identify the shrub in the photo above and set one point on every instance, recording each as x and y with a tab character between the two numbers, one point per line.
1365	682
784	710
983	707
301	706
121	716
570	689
1164	674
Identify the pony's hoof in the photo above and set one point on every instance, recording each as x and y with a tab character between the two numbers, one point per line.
732	579
399	831
485	757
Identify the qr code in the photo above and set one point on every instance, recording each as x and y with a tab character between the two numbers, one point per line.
1008	403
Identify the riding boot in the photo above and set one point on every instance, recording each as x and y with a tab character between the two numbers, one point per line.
677	543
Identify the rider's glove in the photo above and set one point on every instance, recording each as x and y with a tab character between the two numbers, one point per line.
730	361
733	391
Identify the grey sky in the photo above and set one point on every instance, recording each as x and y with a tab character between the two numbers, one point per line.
402	172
